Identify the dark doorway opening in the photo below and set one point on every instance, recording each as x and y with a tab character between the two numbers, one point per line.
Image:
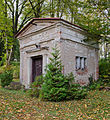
36	67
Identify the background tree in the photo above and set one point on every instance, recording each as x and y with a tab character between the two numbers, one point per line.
95	17
37	7
5	33
20	12
91	15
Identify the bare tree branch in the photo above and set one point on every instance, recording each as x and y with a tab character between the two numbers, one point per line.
22	7
9	6
33	8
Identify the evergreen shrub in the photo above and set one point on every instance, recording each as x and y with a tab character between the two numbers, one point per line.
104	67
104	71
56	86
35	87
94	84
6	77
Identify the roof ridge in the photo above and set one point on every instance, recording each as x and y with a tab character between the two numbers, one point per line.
56	18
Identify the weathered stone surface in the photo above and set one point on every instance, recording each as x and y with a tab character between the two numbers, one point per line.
69	40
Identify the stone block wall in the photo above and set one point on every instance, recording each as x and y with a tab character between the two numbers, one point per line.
69	51
46	38
69	40
72	45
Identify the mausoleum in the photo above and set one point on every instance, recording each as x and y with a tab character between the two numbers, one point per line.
38	38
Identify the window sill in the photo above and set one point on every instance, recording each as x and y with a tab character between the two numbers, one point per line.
82	72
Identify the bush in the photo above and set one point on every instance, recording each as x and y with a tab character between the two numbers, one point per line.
94	84
15	63
35	88
2	69
104	76
6	77
104	71
16	72
16	69
69	91
104	67
15	86
76	92
56	86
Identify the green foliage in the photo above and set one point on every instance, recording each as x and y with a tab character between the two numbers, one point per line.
6	77
16	52
14	86
104	67
1	50
98	26
16	71
35	87
2	69
92	84
56	86
76	92
14	68
84	13
91	80
15	63
6	40
96	84
104	71
104	76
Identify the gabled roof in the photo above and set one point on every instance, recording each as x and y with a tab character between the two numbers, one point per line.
33	19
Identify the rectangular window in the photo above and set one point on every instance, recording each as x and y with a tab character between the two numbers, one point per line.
77	63
85	63
80	63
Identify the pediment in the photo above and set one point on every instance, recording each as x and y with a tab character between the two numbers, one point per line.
36	24
33	27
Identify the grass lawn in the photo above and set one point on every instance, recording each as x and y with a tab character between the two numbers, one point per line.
16	105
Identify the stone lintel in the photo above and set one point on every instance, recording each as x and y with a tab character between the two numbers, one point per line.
37	49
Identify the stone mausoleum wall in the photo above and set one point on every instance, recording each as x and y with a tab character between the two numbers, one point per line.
69	40
72	45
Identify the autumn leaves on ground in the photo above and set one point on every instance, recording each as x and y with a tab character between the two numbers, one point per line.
17	105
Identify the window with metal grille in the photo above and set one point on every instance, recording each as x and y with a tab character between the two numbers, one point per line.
81	63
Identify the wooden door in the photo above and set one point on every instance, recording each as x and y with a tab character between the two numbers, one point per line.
36	67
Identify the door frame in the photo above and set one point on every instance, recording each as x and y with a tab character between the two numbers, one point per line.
34	58
45	61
